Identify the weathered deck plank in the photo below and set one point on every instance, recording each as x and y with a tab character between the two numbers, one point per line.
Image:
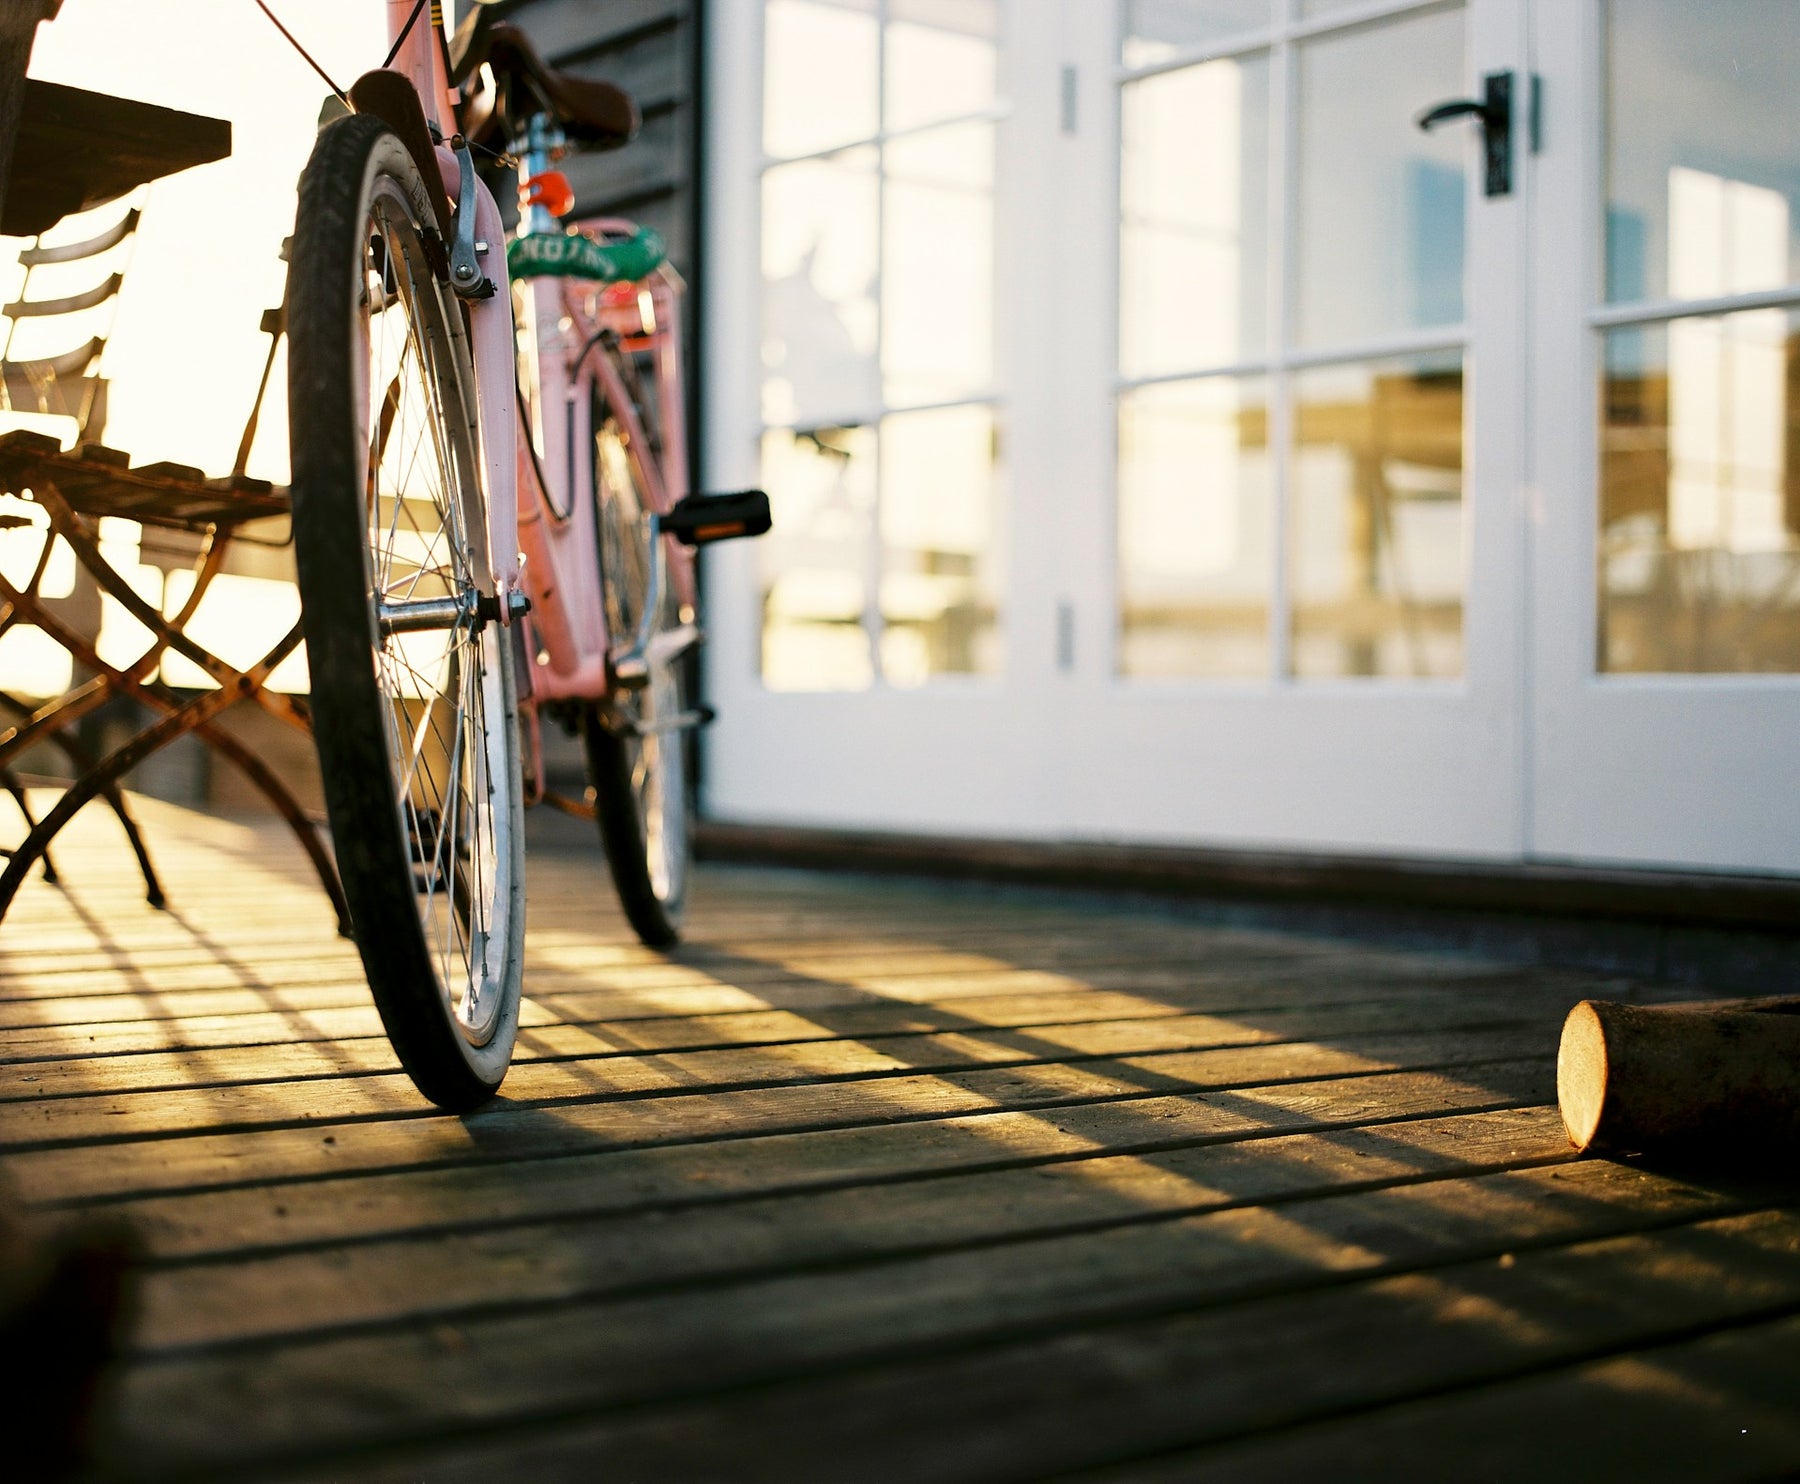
869	1179
408	1276
1037	1407
704	1052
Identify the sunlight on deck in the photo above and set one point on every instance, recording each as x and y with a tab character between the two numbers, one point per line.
969	1154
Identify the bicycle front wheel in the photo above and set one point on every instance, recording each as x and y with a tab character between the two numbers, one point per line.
414	709
635	740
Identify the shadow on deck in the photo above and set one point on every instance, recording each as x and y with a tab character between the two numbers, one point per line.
872	1180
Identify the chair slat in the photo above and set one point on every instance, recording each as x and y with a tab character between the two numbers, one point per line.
70	252
36	308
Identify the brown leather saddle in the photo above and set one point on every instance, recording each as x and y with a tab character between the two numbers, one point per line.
519	83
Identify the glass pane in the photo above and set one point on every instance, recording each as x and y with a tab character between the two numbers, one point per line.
815	560
1159	29
1195	503
942	60
821	60
1702	173
1380	230
1377	544
1699	540
819	272
1313	9
937	276
941	546
1193	244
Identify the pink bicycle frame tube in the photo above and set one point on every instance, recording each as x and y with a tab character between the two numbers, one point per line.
568	607
568	611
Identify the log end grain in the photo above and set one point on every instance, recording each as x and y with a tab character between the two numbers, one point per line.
1581	1073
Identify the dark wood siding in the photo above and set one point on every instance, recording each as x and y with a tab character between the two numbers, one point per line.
651	49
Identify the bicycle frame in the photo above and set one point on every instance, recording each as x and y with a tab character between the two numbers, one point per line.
539	457
563	321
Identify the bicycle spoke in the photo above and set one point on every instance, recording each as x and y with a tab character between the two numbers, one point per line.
411	464
416	745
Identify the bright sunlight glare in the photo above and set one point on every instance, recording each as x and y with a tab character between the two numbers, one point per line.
186	353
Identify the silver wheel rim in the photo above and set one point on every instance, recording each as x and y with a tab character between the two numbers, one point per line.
658	780
659	788
444	708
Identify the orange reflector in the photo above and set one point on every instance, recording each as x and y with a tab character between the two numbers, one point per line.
552	191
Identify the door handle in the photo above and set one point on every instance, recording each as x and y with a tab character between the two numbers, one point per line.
1495	110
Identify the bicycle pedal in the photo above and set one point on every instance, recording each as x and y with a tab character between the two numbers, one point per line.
699	520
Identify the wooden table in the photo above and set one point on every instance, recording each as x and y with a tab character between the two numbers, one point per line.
78	149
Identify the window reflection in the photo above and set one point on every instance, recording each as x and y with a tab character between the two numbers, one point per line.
820	266
940	580
820	61
878	336
1156	30
1699	541
1381	205
1376	551
937	277
937	600
1702	115
1725	236
1193	233
815	561
942	60
1195	503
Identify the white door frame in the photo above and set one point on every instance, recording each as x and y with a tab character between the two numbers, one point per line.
1408	766
1689	770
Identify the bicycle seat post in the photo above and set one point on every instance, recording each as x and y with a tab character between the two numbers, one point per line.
542	145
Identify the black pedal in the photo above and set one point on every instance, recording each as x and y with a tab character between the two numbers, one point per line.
698	520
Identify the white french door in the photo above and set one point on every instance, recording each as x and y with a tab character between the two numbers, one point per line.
1215	537
1146	405
1297	604
1665	545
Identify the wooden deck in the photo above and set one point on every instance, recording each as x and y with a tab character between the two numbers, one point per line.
870	1180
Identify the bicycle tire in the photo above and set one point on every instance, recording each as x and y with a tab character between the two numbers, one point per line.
416	728
639	773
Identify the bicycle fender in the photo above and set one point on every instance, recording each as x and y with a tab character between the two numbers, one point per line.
391	97
491	330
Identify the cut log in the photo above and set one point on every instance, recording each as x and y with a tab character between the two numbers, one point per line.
1725	1075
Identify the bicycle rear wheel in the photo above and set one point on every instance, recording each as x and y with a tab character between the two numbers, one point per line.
414	709
635	740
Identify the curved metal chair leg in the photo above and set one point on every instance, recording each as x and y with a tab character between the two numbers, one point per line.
83	761
47	721
108	771
10	781
194	716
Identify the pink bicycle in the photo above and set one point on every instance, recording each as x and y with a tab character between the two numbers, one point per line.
491	523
